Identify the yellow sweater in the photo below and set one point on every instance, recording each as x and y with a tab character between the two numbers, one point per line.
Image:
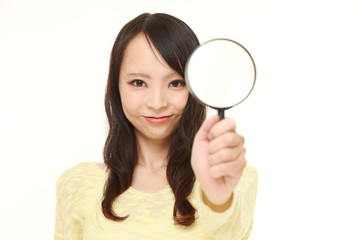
79	216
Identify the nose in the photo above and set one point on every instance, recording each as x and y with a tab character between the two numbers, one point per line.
157	99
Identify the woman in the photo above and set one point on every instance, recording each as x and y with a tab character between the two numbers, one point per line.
167	173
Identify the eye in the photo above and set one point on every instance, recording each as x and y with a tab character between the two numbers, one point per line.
177	84
137	83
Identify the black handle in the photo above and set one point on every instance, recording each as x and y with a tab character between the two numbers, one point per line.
221	113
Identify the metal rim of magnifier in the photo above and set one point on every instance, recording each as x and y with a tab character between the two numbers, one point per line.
187	78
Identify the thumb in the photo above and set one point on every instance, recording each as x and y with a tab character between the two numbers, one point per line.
204	130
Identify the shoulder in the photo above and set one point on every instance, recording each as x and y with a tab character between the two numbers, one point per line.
77	171
78	188
80	176
249	177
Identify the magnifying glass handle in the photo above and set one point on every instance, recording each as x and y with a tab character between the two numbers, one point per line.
221	113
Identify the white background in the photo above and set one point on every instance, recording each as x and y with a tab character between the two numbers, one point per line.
301	123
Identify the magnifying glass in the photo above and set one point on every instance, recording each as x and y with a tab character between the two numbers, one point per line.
220	73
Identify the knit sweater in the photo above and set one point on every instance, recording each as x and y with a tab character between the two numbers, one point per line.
79	217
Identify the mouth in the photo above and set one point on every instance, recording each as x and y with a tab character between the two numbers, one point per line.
157	119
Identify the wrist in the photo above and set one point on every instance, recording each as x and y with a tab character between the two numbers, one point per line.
218	204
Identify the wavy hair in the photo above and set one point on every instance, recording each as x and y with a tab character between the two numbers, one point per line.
175	41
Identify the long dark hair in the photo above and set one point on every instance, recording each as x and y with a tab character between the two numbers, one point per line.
175	41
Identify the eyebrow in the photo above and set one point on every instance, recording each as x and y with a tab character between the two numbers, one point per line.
137	75
134	74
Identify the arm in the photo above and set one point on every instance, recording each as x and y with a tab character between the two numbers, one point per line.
236	221
226	190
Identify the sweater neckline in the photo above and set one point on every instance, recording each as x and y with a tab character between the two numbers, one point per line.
164	190
133	190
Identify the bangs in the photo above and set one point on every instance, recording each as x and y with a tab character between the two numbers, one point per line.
175	42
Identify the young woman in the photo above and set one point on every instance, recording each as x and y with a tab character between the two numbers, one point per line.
167	173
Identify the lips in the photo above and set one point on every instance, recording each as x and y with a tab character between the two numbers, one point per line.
157	120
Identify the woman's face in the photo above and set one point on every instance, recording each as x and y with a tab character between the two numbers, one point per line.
153	95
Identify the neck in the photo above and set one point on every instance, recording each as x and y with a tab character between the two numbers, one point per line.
152	153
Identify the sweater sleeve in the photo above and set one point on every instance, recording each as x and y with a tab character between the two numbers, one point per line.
68	201
236	222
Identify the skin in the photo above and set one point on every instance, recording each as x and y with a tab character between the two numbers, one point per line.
218	160
150	88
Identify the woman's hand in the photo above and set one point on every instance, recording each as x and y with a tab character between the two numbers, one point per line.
218	159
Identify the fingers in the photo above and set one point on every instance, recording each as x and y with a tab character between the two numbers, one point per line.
231	169
206	127
223	126
226	149
226	155
228	139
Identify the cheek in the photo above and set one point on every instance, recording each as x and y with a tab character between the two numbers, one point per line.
129	103
182	100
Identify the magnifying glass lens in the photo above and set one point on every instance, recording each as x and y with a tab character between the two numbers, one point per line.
220	73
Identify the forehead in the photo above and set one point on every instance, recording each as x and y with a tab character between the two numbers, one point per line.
140	51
